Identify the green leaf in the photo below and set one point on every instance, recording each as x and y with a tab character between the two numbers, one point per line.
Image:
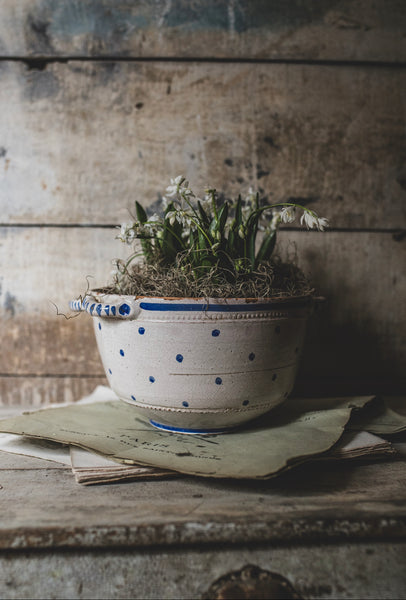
171	241
146	244
235	245
252	230
222	218
141	214
203	215
203	242
238	214
266	248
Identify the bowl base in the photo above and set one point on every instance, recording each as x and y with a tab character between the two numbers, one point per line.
189	431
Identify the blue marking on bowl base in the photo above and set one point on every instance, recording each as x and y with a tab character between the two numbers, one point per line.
111	372
151	378
132	398
122	352
99	325
172	429
251	356
215	332
245	402
179	358
219	381
141	330
185	404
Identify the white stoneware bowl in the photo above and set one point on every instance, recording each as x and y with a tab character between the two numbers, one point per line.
196	365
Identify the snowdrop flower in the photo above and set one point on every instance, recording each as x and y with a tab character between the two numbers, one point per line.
323	223
311	221
186	192
165	203
127	233
251	197
288	214
246	211
171	217
173	189
184	219
152	225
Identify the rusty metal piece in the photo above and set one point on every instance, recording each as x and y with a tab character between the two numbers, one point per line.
251	583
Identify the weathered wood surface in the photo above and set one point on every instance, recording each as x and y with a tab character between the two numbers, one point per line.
36	391
358	336
345	571
81	141
256	29
347	503
327	530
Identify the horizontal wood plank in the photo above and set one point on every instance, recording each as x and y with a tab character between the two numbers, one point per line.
255	29
35	392
347	502
42	270
80	142
359	335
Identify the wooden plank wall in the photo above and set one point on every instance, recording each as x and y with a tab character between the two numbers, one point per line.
102	101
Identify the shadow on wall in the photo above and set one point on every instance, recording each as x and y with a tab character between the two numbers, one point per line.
348	355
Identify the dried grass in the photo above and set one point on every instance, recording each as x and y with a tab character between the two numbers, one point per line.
272	279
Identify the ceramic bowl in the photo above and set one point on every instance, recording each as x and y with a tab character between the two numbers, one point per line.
196	365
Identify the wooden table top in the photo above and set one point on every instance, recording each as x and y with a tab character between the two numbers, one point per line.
42	507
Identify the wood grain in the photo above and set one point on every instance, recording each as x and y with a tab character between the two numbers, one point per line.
348	502
81	141
255	29
358	336
328	530
35	392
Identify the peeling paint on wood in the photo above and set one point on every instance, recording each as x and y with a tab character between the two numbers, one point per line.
87	139
264	29
344	571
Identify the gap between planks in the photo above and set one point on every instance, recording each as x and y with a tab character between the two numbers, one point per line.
40	62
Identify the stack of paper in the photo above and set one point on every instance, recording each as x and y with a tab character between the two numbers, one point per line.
360	445
92	468
103	439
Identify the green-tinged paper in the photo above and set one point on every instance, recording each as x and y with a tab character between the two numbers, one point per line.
296	431
385	416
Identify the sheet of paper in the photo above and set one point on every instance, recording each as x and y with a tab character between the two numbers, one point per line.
385	416
359	444
294	432
35	447
89	468
41	448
